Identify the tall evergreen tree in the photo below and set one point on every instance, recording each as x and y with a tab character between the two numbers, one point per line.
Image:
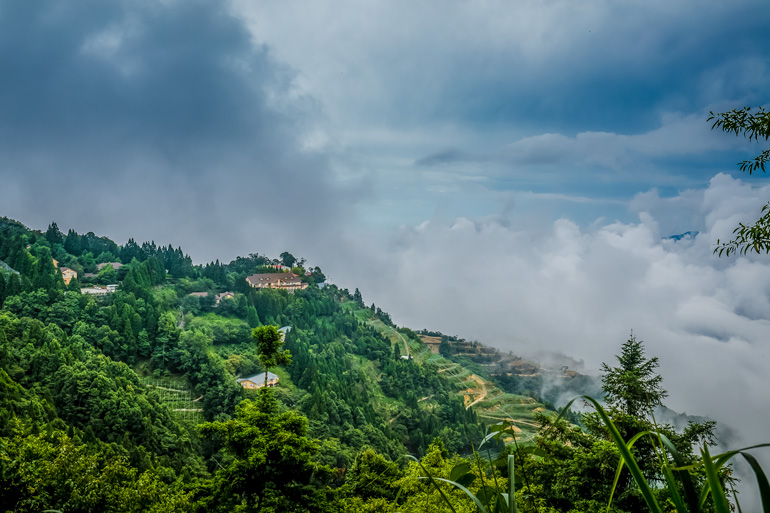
269	352
633	386
53	234
72	243
45	275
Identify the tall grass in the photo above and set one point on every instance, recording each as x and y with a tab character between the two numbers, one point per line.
682	487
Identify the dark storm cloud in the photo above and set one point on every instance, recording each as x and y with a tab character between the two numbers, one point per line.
537	66
155	120
617	70
167	76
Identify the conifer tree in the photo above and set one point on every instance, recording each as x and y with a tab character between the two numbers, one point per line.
269	352
252	318
53	234
72	243
633	386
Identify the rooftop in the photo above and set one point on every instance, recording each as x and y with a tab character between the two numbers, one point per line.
259	378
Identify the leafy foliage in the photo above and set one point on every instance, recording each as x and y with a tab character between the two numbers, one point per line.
754	126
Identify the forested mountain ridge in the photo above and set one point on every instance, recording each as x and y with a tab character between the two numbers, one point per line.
81	364
128	400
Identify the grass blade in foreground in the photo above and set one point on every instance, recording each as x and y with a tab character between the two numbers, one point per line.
764	486
469	493
712	476
511	487
684	476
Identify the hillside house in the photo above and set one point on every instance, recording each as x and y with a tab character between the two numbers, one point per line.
258	381
198	294
68	274
96	290
115	265
285	281
223	295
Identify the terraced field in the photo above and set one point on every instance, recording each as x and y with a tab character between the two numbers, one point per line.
490	403
178	397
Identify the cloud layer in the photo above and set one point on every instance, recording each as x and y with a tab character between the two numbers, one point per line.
580	290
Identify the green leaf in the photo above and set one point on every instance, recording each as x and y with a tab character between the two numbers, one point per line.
475	499
459	470
621	463
511	486
625	453
487	494
764	487
433	482
673	489
684	476
715	486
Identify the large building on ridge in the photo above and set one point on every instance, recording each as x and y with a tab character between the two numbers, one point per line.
285	281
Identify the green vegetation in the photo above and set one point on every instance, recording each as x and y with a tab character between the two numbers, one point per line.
129	402
754	238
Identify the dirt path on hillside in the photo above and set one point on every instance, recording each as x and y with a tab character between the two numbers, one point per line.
406	346
483	395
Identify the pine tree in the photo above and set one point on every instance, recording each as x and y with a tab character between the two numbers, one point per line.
633	387
252	318
72	243
53	234
269	342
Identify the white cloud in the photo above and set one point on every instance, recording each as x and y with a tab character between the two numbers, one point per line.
677	135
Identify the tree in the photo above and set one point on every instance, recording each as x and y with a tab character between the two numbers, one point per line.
633	387
633	390
53	234
107	275
269	352
251	317
755	127
72	243
444	348
288	259
271	462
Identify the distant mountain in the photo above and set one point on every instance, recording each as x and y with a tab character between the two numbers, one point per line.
689	235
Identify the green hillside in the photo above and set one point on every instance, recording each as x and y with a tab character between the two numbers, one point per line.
119	391
490	404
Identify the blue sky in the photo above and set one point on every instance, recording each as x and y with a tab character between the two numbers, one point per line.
507	171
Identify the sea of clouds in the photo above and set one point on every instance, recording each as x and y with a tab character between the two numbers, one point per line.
581	290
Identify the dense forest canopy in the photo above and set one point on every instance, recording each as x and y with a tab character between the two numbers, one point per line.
135	397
